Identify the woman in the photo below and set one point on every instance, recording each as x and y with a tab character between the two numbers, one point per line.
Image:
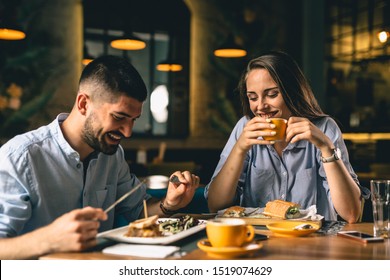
306	168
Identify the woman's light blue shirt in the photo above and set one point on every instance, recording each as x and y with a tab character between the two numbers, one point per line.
297	176
42	177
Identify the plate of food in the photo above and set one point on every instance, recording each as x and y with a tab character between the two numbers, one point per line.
274	211
155	230
293	228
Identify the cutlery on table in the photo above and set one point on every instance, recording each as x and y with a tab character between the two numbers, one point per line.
303	226
252	212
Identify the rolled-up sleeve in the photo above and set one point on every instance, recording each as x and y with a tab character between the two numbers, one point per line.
15	203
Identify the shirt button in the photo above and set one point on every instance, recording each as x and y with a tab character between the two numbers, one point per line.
283	196
78	165
284	173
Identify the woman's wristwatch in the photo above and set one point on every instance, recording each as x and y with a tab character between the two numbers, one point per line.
336	156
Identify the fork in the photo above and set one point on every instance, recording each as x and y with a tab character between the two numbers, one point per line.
175	180
251	212
303	226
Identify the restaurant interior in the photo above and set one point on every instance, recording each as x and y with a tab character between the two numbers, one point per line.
193	102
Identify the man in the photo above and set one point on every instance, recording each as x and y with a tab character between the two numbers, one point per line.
55	181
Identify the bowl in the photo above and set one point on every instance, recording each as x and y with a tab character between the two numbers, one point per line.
155	182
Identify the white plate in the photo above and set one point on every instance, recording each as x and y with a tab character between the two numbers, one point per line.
118	234
156	182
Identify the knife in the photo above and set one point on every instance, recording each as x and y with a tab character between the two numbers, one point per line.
124	196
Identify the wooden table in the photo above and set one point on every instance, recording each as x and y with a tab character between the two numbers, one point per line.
313	247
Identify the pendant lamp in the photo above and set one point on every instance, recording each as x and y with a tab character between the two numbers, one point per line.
87	58
128	42
10	31
9	27
230	49
384	34
169	64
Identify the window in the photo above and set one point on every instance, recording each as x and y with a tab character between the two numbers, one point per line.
358	79
167	92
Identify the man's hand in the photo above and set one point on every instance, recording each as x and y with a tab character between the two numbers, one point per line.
180	194
73	231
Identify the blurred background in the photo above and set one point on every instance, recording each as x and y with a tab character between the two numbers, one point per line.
341	45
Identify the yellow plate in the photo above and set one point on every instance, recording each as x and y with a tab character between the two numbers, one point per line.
287	228
229	252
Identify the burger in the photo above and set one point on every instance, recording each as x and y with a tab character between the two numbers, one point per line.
234	212
282	209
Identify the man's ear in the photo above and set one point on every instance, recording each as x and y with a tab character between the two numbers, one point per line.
82	103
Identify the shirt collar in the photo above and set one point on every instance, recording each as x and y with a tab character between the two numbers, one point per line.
55	128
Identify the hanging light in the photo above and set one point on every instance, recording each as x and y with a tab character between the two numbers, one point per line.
10	31
11	34
383	36
87	57
128	42
230	49
169	64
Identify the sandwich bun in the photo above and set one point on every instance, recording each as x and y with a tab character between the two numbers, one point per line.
282	209
234	211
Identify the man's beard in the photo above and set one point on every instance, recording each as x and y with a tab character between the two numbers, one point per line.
98	143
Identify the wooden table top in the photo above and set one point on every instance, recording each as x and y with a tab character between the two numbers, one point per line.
312	247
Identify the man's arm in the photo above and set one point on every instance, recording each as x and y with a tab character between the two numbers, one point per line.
178	195
73	231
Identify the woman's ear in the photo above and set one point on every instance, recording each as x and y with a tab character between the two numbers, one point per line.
82	102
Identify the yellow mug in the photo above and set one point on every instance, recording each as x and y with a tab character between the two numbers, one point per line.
280	129
229	232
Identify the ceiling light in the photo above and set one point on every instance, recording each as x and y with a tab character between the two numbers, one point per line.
230	49
11	34
87	57
383	36
9	28
169	66
129	42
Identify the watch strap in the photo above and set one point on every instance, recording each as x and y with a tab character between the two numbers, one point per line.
334	157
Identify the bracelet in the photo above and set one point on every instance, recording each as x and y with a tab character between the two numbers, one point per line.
165	210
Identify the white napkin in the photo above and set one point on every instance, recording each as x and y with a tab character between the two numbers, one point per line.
146	251
309	214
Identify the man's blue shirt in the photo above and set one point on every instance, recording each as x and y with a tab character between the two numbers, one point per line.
42	178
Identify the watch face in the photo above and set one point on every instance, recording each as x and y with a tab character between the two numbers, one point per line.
337	153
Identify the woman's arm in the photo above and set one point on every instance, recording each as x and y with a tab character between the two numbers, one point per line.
222	189
345	192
